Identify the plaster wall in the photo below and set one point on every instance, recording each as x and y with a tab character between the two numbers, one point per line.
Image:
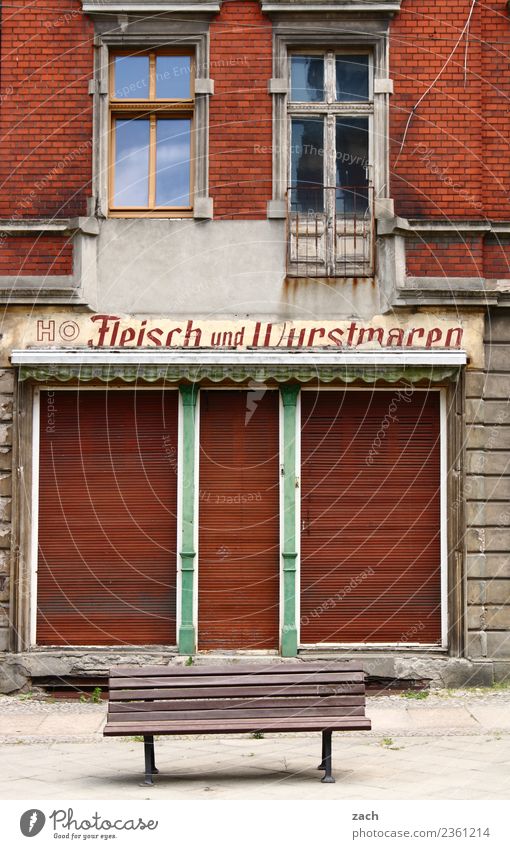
220	268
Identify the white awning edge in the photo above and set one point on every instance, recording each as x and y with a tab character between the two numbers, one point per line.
153	356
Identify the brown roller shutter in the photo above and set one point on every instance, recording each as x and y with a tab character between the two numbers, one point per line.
107	518
370	543
239	520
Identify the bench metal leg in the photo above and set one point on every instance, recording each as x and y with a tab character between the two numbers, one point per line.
154	770
326	759
150	765
323	755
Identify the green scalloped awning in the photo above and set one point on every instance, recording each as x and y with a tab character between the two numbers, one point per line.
237	373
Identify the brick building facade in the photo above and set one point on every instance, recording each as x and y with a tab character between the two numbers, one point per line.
254	260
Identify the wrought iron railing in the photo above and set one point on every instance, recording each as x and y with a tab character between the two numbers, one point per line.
330	231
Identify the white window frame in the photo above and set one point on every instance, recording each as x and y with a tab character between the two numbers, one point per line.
339	37
330	108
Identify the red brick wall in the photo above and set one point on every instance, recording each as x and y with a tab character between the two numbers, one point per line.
496	116
445	257
456	159
46	111
496	258
40	255
240	164
455	162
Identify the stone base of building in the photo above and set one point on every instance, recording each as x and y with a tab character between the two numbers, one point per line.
21	672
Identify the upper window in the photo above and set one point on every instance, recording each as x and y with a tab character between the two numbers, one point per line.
152	110
330	187
314	79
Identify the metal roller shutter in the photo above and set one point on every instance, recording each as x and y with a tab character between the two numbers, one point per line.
107	518
370	543
239	520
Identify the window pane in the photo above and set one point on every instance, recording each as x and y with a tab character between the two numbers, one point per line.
307	165
352	77
352	165
132	77
173	76
173	144
307	78
131	162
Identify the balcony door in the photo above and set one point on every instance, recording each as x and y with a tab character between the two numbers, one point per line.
330	205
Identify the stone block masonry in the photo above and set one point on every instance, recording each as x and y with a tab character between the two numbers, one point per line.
6	405
487	492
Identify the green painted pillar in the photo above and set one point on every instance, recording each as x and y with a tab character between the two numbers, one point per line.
289	394
187	638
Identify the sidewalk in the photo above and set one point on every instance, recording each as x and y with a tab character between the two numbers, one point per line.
31	720
449	745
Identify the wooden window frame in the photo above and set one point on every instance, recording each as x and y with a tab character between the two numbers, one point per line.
151	108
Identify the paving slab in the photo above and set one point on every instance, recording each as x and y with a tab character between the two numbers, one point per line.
439	717
390	718
71	725
281	767
491	717
16	726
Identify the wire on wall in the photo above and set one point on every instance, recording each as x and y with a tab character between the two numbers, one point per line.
464	33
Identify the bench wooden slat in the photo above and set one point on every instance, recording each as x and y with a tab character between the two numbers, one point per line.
236	699
288	702
233	668
239	713
234	726
213	692
232	680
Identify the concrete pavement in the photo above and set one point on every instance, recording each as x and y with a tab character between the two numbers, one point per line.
454	746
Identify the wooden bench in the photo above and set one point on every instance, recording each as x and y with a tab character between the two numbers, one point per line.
239	698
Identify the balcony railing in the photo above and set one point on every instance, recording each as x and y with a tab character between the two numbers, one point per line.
330	231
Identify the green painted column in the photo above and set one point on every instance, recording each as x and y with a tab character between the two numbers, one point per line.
187	638
289	394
